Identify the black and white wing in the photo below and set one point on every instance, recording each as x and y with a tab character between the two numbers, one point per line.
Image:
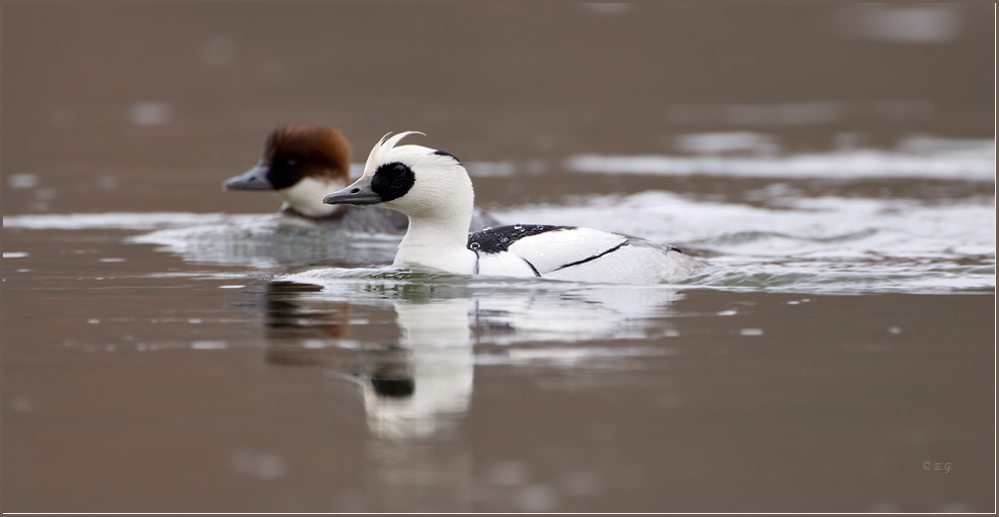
571	253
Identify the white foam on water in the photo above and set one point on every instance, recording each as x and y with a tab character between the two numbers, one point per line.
918	157
117	221
835	226
826	243
788	242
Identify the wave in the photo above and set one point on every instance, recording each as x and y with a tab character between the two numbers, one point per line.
972	160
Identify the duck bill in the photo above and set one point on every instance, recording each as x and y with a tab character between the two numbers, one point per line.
360	193
253	179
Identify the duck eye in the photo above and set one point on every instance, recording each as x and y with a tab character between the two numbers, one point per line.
392	181
291	163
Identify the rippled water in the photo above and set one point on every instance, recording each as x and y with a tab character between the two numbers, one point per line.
602	391
429	357
775	238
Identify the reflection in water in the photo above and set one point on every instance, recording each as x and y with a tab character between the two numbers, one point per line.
413	386
417	384
432	381
417	381
573	316
415	394
295	329
415	389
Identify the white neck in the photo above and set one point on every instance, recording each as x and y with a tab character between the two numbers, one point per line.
306	196
438	233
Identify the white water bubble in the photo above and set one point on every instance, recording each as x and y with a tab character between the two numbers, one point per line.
582	483
208	345
536	498
106	182
507	473
145	114
22	181
21	404
261	465
491	169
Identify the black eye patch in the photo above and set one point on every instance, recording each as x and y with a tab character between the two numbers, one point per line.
392	181
283	172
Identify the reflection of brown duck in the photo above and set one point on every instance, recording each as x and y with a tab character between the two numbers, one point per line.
301	164
298	330
292	323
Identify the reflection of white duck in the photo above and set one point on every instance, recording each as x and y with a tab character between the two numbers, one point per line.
433	189
417	397
509	312
421	384
412	388
301	164
578	315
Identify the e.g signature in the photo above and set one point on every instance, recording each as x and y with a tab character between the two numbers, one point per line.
929	465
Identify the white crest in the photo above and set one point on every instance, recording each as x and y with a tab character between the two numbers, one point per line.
379	153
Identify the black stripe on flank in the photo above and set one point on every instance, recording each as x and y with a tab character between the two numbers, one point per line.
392	181
496	240
532	267
594	257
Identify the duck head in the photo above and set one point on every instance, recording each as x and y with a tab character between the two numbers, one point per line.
300	164
418	181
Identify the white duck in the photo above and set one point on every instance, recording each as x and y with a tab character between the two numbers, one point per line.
433	189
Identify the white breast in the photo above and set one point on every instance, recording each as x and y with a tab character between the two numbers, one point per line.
306	196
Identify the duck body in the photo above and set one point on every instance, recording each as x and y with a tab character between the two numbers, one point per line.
301	164
353	219
573	253
435	192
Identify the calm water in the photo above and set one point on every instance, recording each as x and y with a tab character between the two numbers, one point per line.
171	347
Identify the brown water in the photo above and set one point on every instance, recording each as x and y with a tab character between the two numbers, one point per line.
217	376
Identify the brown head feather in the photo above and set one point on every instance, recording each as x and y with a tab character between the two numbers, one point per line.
317	151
